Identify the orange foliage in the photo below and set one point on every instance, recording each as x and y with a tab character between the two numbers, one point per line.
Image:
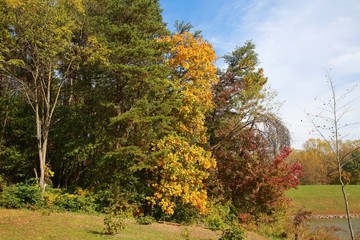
192	61
182	165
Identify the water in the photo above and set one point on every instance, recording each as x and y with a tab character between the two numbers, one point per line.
339	223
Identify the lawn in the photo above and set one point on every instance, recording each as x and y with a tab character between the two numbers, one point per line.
325	199
23	224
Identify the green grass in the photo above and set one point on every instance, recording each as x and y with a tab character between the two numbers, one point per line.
23	224
325	199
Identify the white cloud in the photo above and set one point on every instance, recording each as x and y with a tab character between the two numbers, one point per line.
296	41
348	62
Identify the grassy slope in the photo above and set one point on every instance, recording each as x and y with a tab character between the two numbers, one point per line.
325	199
21	224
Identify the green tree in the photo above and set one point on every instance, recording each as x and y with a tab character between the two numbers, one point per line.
352	166
121	96
16	136
39	39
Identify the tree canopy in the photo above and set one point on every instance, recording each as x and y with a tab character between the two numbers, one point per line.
99	95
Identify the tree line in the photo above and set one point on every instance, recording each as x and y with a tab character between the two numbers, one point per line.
318	164
100	95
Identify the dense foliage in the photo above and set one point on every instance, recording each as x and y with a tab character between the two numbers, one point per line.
316	157
98	95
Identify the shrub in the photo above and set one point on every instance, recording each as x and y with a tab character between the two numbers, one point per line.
20	195
185	234
219	216
75	203
59	200
145	220
71	202
185	214
114	221
276	225
233	233
3	183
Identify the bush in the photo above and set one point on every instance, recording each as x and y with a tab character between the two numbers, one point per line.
3	183
58	200
185	214
115	220
233	233
20	195
275	225
114	223
185	234
219	216
75	203
145	220
28	195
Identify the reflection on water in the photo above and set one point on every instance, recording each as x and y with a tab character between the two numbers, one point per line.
339	223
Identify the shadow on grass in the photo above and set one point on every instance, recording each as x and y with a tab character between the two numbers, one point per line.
95	232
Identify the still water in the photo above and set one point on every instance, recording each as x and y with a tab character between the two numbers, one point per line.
339	223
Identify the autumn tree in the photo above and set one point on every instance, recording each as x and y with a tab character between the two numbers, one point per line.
182	163
315	158
246	138
328	123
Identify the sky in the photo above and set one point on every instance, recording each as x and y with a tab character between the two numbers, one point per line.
298	42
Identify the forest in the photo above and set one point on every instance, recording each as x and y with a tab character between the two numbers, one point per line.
104	109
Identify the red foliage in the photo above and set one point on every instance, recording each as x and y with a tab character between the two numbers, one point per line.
254	182
272	180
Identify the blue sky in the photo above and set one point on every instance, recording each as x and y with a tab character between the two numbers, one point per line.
296	42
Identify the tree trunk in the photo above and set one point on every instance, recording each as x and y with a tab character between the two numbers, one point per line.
337	156
41	150
348	216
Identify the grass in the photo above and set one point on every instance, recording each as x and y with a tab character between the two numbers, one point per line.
24	224
325	199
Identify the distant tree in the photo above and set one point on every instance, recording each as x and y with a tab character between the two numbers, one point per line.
351	170
318	167
328	123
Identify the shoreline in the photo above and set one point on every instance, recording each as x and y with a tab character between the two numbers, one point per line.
334	216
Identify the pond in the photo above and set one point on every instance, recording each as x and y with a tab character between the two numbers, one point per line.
339	223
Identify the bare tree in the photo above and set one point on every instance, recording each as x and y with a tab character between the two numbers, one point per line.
328	123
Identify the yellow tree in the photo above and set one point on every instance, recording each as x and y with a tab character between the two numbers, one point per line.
192	61
181	161
315	158
182	168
